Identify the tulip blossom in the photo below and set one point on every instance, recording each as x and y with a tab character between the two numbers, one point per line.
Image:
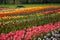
30	33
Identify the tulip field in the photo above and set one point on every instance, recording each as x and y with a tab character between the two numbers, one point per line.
33	23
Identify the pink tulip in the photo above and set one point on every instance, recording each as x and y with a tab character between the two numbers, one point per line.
41	29
28	35
3	36
30	32
47	28
29	29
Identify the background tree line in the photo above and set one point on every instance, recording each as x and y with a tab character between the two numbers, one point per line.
27	1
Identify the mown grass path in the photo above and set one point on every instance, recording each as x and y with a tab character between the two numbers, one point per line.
28	5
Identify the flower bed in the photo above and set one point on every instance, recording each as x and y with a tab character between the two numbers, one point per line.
26	10
29	23
20	23
30	33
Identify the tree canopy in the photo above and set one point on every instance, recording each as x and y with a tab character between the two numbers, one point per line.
27	1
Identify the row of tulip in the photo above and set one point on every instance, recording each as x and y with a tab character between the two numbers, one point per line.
30	33
51	11
22	16
18	24
4	9
25	17
36	11
1	8
26	10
